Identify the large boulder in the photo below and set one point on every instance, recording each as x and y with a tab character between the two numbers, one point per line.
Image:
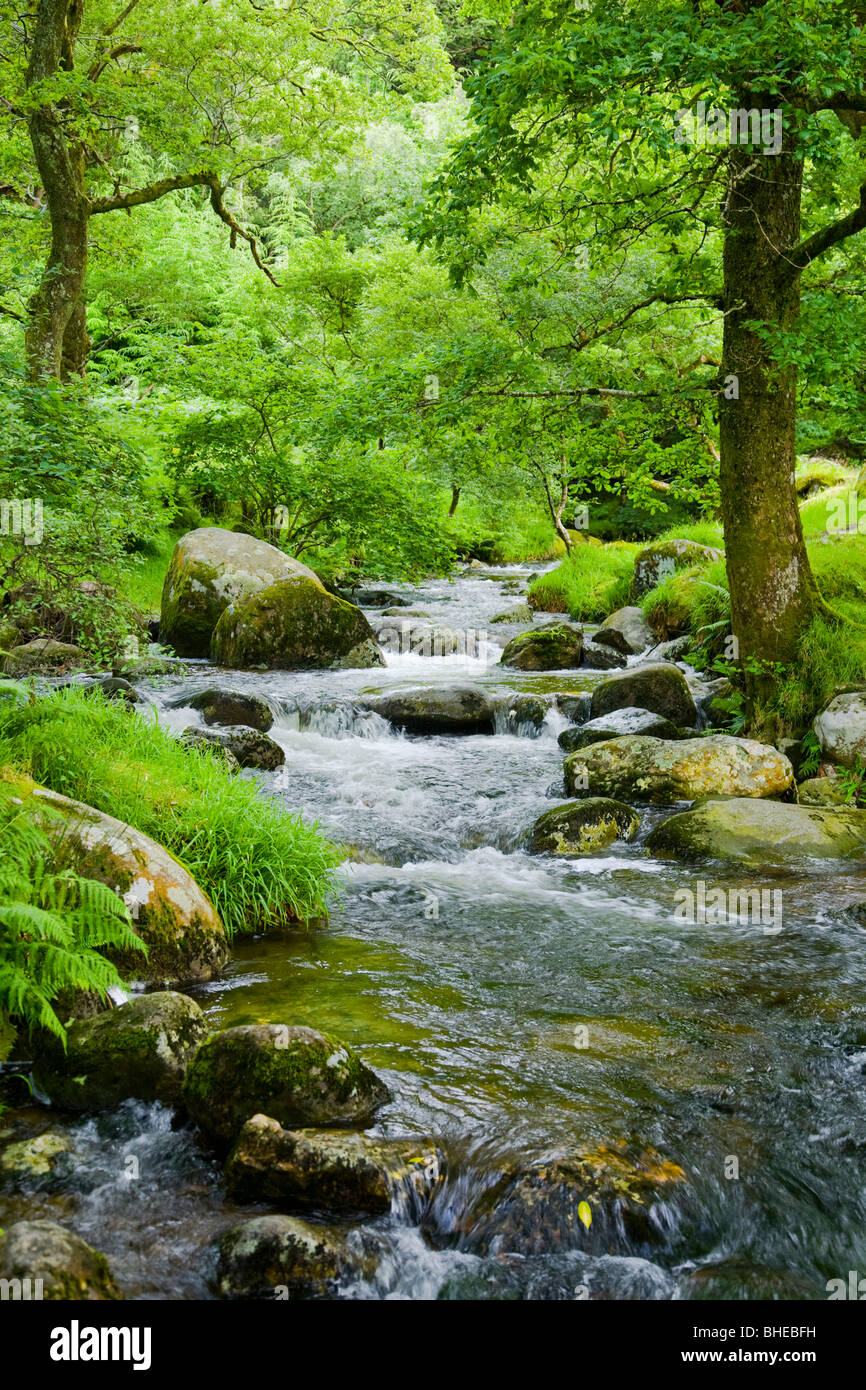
554	648
279	1257
627	631
580	827
657	687
447	709
328	1170
231	707
43	656
841	728
655	562
760	832
248	747
292	1074
617	725
294	625
41	1260
636	768
176	920
209	569
141	1049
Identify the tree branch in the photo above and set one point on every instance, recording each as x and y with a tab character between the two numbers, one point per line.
807	251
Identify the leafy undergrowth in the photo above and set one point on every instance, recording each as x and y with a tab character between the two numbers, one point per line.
260	865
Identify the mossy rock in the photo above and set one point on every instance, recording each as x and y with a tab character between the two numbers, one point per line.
232	707
627	631
822	791
171	914
663	558
34	1160
294	1075
278	1257
759	832
140	1049
294	625
555	648
521	614
244	746
43	656
329	1170
209	569
67	1268
662	771
657	686
10	636
618	724
447	709
582	827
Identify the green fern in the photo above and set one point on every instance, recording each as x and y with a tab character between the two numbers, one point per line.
52	924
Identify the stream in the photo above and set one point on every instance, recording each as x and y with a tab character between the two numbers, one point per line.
469	974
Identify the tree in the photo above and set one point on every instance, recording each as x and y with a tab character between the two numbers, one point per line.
221	95
705	131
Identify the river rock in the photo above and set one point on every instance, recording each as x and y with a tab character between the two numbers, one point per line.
576	707
536	1210
141	1049
448	709
554	648
68	1268
328	1170
580	827
34	1159
636	768
627	631
521	614
655	562
759	832
209	569
294	1075
208	738
616	725
379	598
43	656
280	1257
230	707
822	791
175	919
116	688
598	657
657	687
841	728
247	746
528	710
294	625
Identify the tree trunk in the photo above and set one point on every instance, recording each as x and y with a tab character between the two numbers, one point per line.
455	498
56	336
773	592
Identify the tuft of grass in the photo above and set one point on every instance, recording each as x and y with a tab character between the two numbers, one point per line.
143	587
701	532
589	584
260	865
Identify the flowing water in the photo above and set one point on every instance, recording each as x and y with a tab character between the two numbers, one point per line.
518	1007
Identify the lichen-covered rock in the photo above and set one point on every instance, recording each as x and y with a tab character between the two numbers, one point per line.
294	1075
294	625
636	768
542	1208
43	1260
655	562
627	631
657	687
210	739
760	832
327	1169
280	1257
822	791
43	656
522	613
554	648
524	710
231	707
581	827
841	728
209	569
34	1159
617	725
248	747
448	709
183	932
141	1049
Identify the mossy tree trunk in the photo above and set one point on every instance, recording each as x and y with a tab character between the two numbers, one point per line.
773	592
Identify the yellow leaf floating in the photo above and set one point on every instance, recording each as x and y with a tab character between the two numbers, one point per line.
585	1214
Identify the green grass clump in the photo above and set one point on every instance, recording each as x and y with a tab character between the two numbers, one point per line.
589	584
701	532
260	865
694	600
